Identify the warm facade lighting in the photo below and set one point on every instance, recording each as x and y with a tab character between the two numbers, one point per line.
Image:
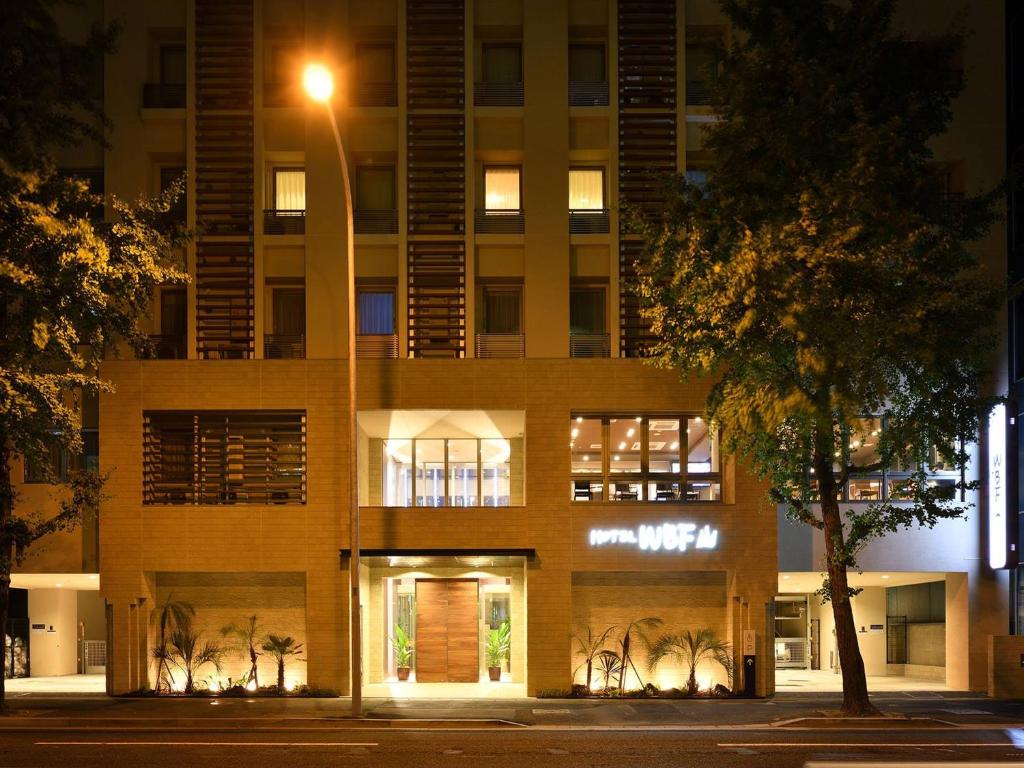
318	82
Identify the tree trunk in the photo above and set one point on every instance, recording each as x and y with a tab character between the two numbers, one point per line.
590	670
856	702
254	672
6	560
280	675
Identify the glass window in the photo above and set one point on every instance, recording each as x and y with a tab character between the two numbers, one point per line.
587	310
502	63
375	188
285	63
864	439
173	312
586	444
586	189
397	473
502	309
501	189
289	189
624	440
496	472
289	305
429	473
462	473
702	447
172	64
663	445
865	488
586	63
375	63
376	312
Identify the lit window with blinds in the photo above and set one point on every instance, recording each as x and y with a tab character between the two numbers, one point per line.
224	457
501	189
289	190
586	189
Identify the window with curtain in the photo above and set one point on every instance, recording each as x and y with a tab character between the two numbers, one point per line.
375	63
289	189
586	63
285	63
173	312
501	189
502	63
587	310
586	189
290	311
375	188
376	312
502	309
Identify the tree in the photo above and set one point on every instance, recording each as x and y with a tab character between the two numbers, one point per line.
589	646
691	648
70	286
637	628
822	274
281	648
171	615
189	652
246	637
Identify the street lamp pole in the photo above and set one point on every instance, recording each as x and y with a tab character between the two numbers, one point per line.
319	84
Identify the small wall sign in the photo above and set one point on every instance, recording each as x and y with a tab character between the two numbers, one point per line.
669	537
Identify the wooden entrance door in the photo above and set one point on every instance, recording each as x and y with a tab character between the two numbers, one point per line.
447	631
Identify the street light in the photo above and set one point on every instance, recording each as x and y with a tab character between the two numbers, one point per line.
319	84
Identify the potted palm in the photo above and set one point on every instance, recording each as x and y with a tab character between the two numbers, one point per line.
402	646
499	641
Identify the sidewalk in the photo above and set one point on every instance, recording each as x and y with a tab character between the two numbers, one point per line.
943	710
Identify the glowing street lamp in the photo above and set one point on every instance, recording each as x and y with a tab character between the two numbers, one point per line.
318	82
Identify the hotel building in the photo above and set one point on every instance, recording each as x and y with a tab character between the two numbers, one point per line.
518	460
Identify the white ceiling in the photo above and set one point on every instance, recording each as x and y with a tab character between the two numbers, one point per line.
797	582
76	581
436	423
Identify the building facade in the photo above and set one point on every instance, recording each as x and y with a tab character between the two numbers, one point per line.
519	464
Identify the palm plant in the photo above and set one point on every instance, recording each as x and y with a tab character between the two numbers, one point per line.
402	645
246	637
691	648
171	615
281	648
609	664
589	646
499	643
189	652
637	628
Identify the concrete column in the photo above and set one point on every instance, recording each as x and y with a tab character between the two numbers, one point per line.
120	653
958	627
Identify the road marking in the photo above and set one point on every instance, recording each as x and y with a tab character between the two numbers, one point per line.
909	745
206	743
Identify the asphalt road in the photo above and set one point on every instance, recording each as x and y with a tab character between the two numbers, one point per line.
511	747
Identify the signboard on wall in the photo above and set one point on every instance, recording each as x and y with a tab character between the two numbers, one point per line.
997	485
667	537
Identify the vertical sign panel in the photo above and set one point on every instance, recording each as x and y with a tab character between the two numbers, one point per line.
997	539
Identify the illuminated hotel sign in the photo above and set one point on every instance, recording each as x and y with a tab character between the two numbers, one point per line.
668	537
997	539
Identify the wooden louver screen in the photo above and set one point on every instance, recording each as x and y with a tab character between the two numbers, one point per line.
225	306
224	457
437	174
435	54
437	298
635	332
647	53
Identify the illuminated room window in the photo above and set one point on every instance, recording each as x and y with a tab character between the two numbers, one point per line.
586	189
290	189
502	189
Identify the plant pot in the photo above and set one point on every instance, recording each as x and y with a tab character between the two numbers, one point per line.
494	673
403	673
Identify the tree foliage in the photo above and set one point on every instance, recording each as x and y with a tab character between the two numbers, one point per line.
823	273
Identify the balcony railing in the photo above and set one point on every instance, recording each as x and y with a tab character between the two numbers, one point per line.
698	92
168	346
376	95
375	222
280	222
284	346
500	345
588	222
377	345
589	345
499	222
588	94
163	95
498	94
